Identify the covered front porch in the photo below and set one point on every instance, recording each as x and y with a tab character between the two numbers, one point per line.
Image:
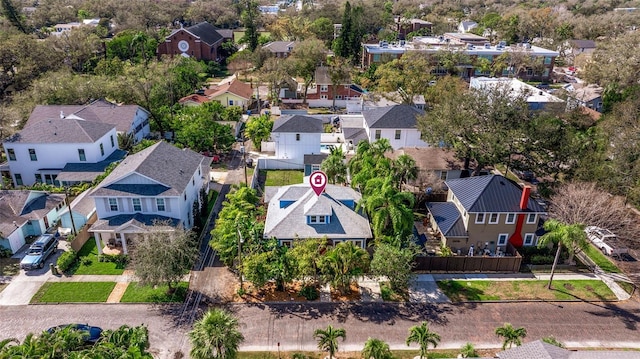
115	235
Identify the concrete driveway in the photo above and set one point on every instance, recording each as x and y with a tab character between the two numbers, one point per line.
23	286
425	290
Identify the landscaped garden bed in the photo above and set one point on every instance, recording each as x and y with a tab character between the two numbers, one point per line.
268	293
483	290
148	294
73	292
352	296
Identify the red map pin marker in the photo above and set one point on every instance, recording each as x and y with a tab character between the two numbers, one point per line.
318	181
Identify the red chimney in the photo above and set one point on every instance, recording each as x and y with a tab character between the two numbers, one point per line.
524	201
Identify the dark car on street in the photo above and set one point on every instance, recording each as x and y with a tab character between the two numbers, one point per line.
91	334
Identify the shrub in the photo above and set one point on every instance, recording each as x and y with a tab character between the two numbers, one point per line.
542	259
309	292
70	237
386	293
5	252
119	259
66	260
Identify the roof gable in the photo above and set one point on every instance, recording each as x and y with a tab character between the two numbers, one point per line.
206	32
297	124
398	116
235	87
62	131
491	193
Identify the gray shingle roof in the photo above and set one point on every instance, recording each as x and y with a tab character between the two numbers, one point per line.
541	350
87	172
315	159
399	116
137	219
121	116
83	204
279	46
206	32
62	131
584	44
290	222
491	193
23	205
297	124
448	218
164	163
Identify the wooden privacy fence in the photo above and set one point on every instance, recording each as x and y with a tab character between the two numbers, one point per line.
468	264
83	234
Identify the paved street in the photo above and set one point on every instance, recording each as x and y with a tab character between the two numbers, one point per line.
292	324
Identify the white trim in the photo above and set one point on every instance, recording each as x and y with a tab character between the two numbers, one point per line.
483	218
494	221
501	236
513	219
532	239
529	216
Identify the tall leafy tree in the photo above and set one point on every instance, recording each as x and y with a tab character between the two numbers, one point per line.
340	45
250	20
306	57
394	263
571	236
215	336
511	335
376	349
328	339
339	73
405	78
334	166
175	248
405	169
342	263
306	255
390	210
13	13
424	337
258	129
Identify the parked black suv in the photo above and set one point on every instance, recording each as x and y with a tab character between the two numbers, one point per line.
39	251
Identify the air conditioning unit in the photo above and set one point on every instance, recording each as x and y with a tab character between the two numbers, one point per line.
487	45
502	43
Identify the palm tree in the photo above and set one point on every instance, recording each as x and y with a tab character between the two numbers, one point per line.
421	335
511	335
376	349
216	335
405	169
334	166
344	262
390	210
571	236
328	339
126	141
468	351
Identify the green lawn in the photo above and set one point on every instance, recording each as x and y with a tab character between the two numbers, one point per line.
483	290
600	259
88	262
148	294
283	177
69	292
213	195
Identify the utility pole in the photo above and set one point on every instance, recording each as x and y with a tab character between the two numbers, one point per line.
66	198
240	241
244	161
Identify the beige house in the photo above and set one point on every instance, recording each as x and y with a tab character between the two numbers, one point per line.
484	213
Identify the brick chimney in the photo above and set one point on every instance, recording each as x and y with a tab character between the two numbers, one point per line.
524	200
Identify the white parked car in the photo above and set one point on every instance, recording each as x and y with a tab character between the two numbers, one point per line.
605	240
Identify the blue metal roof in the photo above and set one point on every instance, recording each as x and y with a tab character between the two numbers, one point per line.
448	218
491	193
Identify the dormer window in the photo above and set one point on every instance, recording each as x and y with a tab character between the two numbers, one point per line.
317	219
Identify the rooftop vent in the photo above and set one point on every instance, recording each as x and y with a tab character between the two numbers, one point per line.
487	45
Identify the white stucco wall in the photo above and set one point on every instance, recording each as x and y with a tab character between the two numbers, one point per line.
408	137
140	126
287	147
52	157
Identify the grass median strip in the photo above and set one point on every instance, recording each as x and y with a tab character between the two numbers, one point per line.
482	290
73	292
600	259
147	294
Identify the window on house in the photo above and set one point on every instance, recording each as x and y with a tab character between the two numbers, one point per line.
230	102
528	239
338	97
193	181
137	206
315	168
359	243
113	204
38	178
323	97
297	137
322	219
531	218
18	179
287	244
82	155
32	154
376	57
185	196
101	150
493	218
502	239
346	86
545	73
479	218
443	175
160	204
529	71
398	133
377	134
511	218
49	179
547	60
11	153
324	88
113	143
313	219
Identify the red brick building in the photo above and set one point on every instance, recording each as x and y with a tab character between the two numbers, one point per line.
200	41
322	89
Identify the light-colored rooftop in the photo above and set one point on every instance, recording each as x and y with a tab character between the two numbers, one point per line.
516	86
